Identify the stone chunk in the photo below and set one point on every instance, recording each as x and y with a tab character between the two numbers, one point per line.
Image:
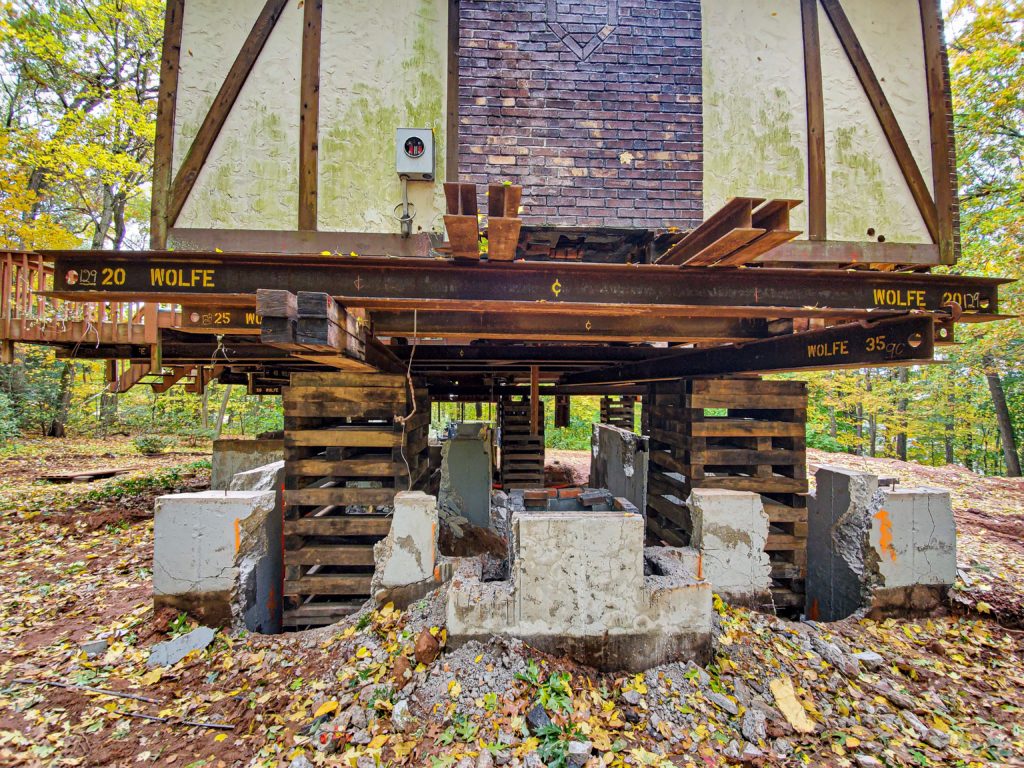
427	647
171	652
537	718
94	648
870	659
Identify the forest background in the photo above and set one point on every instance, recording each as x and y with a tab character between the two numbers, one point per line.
78	88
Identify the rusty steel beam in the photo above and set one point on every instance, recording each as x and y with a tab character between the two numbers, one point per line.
892	341
531	287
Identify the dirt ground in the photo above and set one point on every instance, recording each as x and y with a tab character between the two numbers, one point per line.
76	566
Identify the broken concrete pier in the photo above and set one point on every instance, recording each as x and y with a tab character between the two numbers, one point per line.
730	529
217	556
882	551
590	597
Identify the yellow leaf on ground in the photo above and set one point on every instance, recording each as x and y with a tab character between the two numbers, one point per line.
152	677
379	741
325	709
785	697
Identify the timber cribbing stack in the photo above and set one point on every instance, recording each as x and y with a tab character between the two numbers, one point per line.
619	411
345	459
522	452
736	434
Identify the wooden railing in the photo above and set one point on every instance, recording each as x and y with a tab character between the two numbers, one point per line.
28	317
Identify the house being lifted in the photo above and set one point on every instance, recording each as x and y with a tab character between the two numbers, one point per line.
680	195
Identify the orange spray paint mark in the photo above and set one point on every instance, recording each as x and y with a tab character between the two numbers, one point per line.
815	611
885	535
700	566
238	536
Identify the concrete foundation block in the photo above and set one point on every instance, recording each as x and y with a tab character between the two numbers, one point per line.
878	550
578	588
730	530
234	455
408	555
269	477
217	555
618	462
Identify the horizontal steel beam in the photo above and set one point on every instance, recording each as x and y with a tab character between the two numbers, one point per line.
571	326
884	342
532	287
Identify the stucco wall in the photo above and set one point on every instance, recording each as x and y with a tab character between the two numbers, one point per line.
377	74
755	112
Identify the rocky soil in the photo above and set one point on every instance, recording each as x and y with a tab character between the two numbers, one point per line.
77	630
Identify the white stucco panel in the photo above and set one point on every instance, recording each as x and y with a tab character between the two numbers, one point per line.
383	67
865	187
755	113
250	180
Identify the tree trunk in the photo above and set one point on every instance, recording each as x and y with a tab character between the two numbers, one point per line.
950	436
58	424
106	216
108	412
220	415
901	408
120	228
1003	420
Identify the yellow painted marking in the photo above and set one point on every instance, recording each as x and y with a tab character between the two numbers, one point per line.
556	287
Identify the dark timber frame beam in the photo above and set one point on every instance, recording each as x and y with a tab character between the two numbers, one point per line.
940	111
208	132
816	196
893	341
309	113
531	287
166	111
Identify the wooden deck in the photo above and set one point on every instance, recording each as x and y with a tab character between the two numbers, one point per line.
28	316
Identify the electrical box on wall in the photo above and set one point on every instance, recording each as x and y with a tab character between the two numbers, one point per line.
414	153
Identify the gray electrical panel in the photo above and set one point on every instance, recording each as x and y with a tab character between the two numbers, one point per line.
414	153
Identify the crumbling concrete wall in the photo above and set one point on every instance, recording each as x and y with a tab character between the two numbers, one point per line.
406	560
466	473
730	530
587	597
618	462
217	555
880	551
234	455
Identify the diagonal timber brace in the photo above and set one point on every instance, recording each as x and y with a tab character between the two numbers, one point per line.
884	342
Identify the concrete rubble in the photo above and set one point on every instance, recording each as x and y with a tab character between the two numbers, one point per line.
730	530
880	551
169	653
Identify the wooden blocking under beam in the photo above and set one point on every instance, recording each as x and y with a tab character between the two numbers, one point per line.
460	199
319	321
562	411
279	313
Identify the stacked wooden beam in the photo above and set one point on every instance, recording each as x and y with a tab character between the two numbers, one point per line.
741	231
503	223
522	449
619	411
737	434
347	453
